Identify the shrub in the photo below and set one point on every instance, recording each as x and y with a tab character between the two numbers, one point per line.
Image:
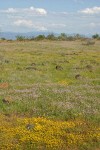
20	38
51	37
62	36
40	37
95	36
89	42
3	38
32	38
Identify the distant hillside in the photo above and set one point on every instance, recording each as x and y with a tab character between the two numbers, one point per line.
12	35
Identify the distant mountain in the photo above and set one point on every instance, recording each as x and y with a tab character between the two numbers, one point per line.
12	35
8	35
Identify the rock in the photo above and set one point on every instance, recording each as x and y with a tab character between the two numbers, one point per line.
66	61
77	76
7	61
31	68
7	115
59	67
89	67
29	126
33	64
7	100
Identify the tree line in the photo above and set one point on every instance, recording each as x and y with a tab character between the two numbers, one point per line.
61	37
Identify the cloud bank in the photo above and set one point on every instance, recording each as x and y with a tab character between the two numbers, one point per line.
94	10
40	19
32	10
29	24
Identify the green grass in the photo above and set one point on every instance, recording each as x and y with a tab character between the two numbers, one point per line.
51	79
37	88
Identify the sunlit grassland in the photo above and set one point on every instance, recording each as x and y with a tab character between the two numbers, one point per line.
56	81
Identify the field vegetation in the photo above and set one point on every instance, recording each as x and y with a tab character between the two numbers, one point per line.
50	94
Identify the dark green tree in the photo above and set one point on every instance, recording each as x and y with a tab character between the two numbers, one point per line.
62	36
40	37
20	38
95	36
51	37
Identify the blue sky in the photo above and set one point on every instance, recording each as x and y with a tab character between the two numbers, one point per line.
69	16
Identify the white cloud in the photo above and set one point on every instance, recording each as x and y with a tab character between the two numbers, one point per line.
41	11
93	25
25	23
94	10
64	13
41	28
58	25
10	10
32	11
38	26
29	24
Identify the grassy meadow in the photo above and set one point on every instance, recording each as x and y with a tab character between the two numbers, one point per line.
49	95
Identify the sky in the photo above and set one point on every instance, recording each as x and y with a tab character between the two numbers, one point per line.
56	16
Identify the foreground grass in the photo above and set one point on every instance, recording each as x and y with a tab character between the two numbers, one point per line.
41	133
45	82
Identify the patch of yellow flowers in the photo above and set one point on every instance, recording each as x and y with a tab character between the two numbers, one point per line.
64	82
44	134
